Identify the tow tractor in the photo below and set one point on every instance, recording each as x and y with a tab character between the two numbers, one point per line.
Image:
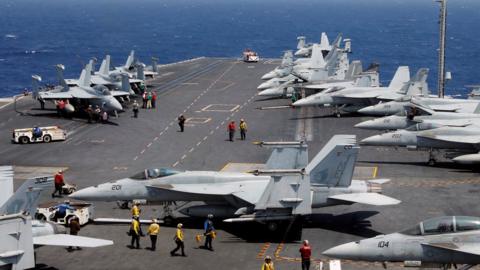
250	56
47	134
83	211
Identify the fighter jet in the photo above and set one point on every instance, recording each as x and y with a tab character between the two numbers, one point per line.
353	99
288	187
281	71
440	242
415	114
437	104
463	143
98	95
320	70
117	82
19	233
131	65
305	50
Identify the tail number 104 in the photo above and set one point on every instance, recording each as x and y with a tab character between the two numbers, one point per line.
383	244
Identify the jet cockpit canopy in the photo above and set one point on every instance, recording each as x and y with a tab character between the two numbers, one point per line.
153	173
447	224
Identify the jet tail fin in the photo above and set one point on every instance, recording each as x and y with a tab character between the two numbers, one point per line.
324	42
354	69
35	85
418	85
25	198
125	83
317	60
105	66
333	165
301	42
363	81
61	79
155	64
85	76
400	79
141	72
130	59
287	59
287	156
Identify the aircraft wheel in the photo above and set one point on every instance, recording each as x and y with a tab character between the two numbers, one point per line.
123	204
47	138
338	115
432	162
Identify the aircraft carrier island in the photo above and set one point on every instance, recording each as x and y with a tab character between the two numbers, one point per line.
211	92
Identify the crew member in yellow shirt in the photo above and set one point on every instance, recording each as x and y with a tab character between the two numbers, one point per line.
153	231
179	241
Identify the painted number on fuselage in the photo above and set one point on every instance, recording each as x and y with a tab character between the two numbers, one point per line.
396	136
116	187
383	244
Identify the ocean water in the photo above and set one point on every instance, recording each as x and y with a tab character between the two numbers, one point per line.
36	35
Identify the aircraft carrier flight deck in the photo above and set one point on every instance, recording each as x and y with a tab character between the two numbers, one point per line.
210	92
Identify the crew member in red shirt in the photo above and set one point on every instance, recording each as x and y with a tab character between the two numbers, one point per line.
305	253
59	183
231	130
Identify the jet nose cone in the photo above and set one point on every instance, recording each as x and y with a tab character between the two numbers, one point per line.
370	110
369	124
302	102
270	92
373	140
269	75
115	105
86	194
346	251
264	85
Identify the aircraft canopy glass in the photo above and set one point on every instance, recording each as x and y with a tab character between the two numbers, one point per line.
153	173
446	224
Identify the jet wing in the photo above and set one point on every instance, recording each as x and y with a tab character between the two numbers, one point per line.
72	93
468	248
469	139
453	122
366	198
55	95
66	240
445	107
359	95
249	191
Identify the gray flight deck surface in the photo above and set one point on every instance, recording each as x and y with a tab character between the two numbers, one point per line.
210	92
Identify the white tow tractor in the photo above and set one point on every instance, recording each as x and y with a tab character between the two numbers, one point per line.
83	211
46	134
250	56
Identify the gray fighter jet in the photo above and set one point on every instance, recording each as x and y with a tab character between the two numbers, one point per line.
19	233
355	98
434	103
440	242
463	143
281	71
288	187
98	95
334	67
305	50
415	114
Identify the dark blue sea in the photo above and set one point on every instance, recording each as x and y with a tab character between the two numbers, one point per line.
36	35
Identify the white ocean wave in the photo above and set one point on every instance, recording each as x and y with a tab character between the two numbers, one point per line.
12	36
